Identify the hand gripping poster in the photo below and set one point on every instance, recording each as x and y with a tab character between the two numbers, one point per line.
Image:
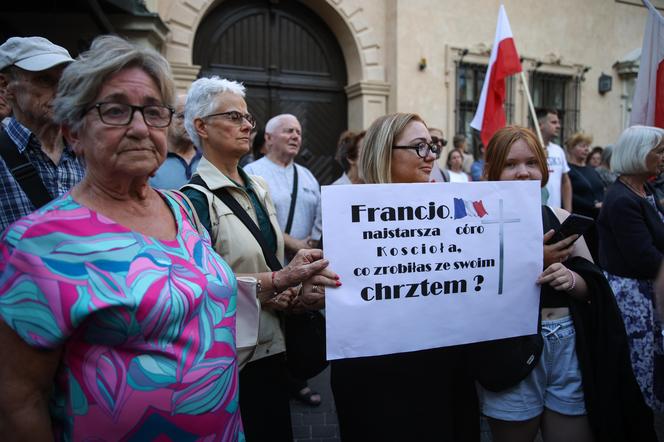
430	265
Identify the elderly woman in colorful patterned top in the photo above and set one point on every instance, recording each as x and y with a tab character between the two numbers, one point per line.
114	310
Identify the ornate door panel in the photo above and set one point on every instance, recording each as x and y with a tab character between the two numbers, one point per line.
290	63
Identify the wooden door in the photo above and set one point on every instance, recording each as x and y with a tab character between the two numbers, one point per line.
289	61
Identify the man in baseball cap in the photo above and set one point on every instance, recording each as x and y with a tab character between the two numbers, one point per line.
32	54
35	165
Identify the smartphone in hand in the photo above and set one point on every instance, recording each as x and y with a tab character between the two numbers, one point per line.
573	225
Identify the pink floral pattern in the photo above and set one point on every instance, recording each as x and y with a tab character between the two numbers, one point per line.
147	327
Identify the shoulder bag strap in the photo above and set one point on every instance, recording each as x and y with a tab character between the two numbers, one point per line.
184	202
291	211
224	195
23	171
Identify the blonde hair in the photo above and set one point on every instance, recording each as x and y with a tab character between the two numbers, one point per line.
576	139
376	159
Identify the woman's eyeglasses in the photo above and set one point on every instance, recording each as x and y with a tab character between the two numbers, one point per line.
423	149
235	117
121	114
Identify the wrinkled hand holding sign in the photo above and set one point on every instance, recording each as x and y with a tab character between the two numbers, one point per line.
430	265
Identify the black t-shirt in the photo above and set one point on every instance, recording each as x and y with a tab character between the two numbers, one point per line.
587	190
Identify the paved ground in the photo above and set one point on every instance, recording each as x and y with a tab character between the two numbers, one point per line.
317	424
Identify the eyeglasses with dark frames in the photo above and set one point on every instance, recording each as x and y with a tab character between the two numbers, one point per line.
442	142
121	114
422	149
235	117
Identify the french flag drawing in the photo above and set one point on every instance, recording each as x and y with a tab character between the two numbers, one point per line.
463	208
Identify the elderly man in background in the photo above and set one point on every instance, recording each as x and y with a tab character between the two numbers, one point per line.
5	110
36	165
182	157
283	138
296	195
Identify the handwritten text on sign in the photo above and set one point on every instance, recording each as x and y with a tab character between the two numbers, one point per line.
430	265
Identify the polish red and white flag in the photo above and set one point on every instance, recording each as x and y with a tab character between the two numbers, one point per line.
648	104
504	61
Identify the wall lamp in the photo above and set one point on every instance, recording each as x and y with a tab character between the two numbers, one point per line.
604	83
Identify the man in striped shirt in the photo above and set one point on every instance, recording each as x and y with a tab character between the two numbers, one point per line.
30	69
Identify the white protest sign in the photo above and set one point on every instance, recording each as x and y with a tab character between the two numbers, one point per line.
430	265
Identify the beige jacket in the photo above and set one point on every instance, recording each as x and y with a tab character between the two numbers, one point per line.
237	245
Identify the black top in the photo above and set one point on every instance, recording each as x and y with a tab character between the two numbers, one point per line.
631	234
550	298
587	190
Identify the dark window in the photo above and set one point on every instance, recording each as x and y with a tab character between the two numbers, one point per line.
559	92
469	81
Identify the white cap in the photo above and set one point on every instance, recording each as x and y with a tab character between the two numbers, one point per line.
32	54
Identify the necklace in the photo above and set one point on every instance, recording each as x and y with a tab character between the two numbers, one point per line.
630	186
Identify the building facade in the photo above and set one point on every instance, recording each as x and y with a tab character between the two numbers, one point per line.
339	64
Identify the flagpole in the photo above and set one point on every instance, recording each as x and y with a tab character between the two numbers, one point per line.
532	109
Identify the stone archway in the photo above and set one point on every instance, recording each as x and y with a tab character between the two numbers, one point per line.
367	90
290	62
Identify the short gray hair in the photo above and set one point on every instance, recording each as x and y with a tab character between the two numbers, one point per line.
631	149
606	154
200	101
276	121
82	80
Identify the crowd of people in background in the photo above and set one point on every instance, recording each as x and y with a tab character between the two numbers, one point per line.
134	217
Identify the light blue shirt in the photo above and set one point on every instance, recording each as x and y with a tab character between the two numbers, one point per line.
307	220
175	172
476	170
